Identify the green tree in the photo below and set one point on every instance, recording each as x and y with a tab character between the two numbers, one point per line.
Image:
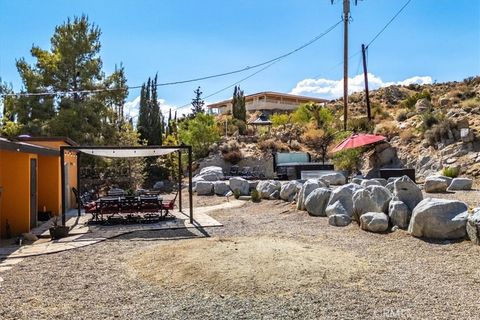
200	132
197	102
70	67
238	105
150	120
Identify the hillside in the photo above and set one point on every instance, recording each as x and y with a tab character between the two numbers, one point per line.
431	126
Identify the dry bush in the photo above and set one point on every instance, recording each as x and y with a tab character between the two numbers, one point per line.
233	156
402	116
387	129
407	136
439	131
271	145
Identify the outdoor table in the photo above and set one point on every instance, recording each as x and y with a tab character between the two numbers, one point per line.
128	204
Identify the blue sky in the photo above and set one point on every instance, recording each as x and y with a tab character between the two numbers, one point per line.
433	39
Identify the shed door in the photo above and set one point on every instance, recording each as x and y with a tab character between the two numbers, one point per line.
33	193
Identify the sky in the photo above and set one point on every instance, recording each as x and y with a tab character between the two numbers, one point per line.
431	40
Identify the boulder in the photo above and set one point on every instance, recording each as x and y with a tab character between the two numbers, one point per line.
383	182
405	190
366	183
240	184
220	188
448	180
267	187
306	189
204	188
336	209
339	220
390	187
289	190
357	181
399	214
275	195
374	222
460	184
29	236
439	219
371	199
212	173
435	185
473	226
423	105
317	201
159	185
334	178
344	195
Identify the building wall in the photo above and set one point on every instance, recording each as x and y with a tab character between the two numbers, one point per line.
71	160
15	199
49	192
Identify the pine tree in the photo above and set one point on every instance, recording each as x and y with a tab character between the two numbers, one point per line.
197	103
238	105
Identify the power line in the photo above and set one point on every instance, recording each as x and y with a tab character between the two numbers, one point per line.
310	42
388	23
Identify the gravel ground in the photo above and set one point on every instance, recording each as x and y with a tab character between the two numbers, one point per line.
393	276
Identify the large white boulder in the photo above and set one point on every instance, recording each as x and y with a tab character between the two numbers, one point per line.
460	184
405	190
374	222
439	219
289	190
343	195
334	178
220	188
212	173
306	189
372	199
382	181
267	188
240	184
339	220
204	188
435	185
473	226
317	201
365	183
399	214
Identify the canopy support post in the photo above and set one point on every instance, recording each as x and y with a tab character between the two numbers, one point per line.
179	180
79	186
62	180
190	191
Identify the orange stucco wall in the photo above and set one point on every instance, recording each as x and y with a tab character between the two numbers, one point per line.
71	160
49	192
15	199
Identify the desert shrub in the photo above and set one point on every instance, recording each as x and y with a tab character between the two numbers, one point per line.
255	196
471	103
241	125
348	159
428	120
301	115
279	119
410	102
378	113
402	116
407	136
451	172
237	193
199	132
270	145
387	129
360	125
233	156
439	131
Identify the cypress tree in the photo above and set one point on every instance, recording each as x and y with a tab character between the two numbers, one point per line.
197	103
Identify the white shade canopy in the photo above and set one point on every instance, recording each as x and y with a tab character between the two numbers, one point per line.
127	152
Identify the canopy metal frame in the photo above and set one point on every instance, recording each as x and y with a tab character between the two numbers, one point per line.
79	149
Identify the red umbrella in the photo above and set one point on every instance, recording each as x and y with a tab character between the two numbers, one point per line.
358	140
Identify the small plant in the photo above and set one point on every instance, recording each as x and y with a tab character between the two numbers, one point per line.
410	102
236	193
451	172
428	120
360	125
233	156
348	159
255	196
270	144
402	116
406	136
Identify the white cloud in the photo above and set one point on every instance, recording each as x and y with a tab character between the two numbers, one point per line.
131	108
332	89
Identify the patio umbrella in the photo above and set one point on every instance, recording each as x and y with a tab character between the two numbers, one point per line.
357	141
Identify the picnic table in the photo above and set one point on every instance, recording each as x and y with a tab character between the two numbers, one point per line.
117	207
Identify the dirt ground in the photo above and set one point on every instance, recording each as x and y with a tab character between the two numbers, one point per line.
269	261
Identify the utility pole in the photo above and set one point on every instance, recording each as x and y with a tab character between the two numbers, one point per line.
346	18
365	75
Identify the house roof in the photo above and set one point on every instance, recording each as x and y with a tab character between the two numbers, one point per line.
25	147
271	94
54	139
